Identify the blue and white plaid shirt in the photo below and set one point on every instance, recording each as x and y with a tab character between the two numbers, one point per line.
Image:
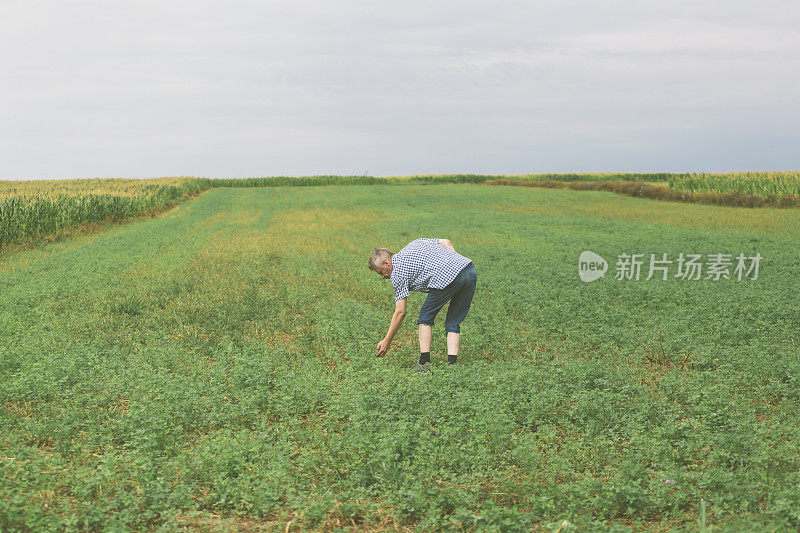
425	264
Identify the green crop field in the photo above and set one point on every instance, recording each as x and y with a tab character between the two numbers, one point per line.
49	210
214	368
776	184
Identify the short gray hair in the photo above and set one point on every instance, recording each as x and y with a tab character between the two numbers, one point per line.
377	256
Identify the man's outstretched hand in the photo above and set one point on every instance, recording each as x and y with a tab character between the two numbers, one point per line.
383	347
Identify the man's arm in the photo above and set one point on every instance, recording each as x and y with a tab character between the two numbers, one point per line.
397	319
447	243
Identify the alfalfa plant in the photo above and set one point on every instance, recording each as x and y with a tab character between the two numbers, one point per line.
665	359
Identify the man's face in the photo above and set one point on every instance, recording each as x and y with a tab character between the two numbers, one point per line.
385	269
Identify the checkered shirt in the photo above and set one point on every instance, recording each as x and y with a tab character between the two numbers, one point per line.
425	264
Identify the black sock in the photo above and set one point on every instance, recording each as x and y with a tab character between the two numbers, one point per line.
451	359
424	357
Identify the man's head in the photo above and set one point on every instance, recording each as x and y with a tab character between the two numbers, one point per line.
381	262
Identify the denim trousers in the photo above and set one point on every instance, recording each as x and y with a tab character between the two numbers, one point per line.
459	292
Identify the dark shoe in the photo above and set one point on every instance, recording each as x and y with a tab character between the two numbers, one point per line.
423	369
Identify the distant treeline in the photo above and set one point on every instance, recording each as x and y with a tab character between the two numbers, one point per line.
34	209
285	181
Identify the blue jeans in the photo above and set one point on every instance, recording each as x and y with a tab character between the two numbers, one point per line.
459	292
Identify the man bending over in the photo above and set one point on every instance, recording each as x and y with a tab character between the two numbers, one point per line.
432	266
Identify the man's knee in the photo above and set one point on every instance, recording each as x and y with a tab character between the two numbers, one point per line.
426	318
450	327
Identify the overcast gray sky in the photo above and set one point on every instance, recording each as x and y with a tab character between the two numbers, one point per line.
300	87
